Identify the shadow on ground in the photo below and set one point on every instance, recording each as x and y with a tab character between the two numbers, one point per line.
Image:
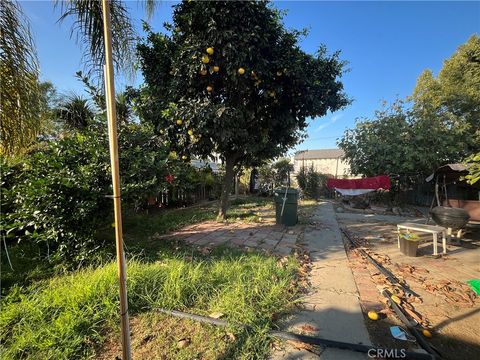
159	341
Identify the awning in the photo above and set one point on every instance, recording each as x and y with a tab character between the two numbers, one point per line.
449	172
359	186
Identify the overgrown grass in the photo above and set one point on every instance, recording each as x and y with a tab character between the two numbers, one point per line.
30	263
71	315
63	318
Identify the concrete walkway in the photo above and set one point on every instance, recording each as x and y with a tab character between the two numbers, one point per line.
332	308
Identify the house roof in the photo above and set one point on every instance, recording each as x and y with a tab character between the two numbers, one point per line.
319	154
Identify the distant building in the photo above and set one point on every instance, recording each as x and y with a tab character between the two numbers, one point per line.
326	161
200	164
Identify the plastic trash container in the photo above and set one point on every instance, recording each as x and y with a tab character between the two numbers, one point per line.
290	215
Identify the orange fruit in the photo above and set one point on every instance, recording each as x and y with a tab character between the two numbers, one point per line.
190	132
184	157
426	333
372	315
205	59
216	68
179	122
241	71
210	51
203	72
209	88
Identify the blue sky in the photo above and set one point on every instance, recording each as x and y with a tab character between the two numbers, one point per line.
387	44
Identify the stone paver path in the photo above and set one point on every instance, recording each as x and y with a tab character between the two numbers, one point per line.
265	236
332	309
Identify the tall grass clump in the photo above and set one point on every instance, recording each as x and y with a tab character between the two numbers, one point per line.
68	316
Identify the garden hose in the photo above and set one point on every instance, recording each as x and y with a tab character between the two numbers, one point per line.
284	335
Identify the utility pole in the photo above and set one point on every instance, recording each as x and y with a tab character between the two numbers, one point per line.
117	202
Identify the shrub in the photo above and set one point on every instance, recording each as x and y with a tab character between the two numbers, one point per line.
144	164
58	195
309	181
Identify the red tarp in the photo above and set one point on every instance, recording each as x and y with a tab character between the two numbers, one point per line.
374	183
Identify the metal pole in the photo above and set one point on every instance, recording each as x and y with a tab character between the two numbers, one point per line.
117	204
336	169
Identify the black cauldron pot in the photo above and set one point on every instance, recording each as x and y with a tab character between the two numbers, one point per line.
449	217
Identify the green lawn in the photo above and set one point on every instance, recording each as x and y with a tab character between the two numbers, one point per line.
64	317
75	314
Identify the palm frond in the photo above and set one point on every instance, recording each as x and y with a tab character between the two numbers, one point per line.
87	29
75	112
20	98
150	6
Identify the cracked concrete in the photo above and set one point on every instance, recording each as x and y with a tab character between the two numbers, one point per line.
331	308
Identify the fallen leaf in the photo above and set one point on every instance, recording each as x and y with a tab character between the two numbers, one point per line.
308	328
275	316
146	339
183	342
275	345
216	315
301	346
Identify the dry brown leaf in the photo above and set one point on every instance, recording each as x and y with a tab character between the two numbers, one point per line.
308	328
300	345
183	342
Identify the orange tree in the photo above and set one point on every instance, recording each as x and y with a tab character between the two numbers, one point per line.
231	80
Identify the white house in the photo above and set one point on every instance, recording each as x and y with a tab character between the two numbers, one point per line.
325	161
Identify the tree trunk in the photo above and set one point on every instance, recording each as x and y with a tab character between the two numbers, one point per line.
226	186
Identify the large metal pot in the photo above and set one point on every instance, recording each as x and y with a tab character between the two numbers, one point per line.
449	217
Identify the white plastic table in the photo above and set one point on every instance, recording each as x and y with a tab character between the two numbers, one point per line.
431	229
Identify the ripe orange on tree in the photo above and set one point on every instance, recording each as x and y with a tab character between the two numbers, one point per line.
210	51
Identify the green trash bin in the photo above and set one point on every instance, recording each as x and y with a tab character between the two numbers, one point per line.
289	216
